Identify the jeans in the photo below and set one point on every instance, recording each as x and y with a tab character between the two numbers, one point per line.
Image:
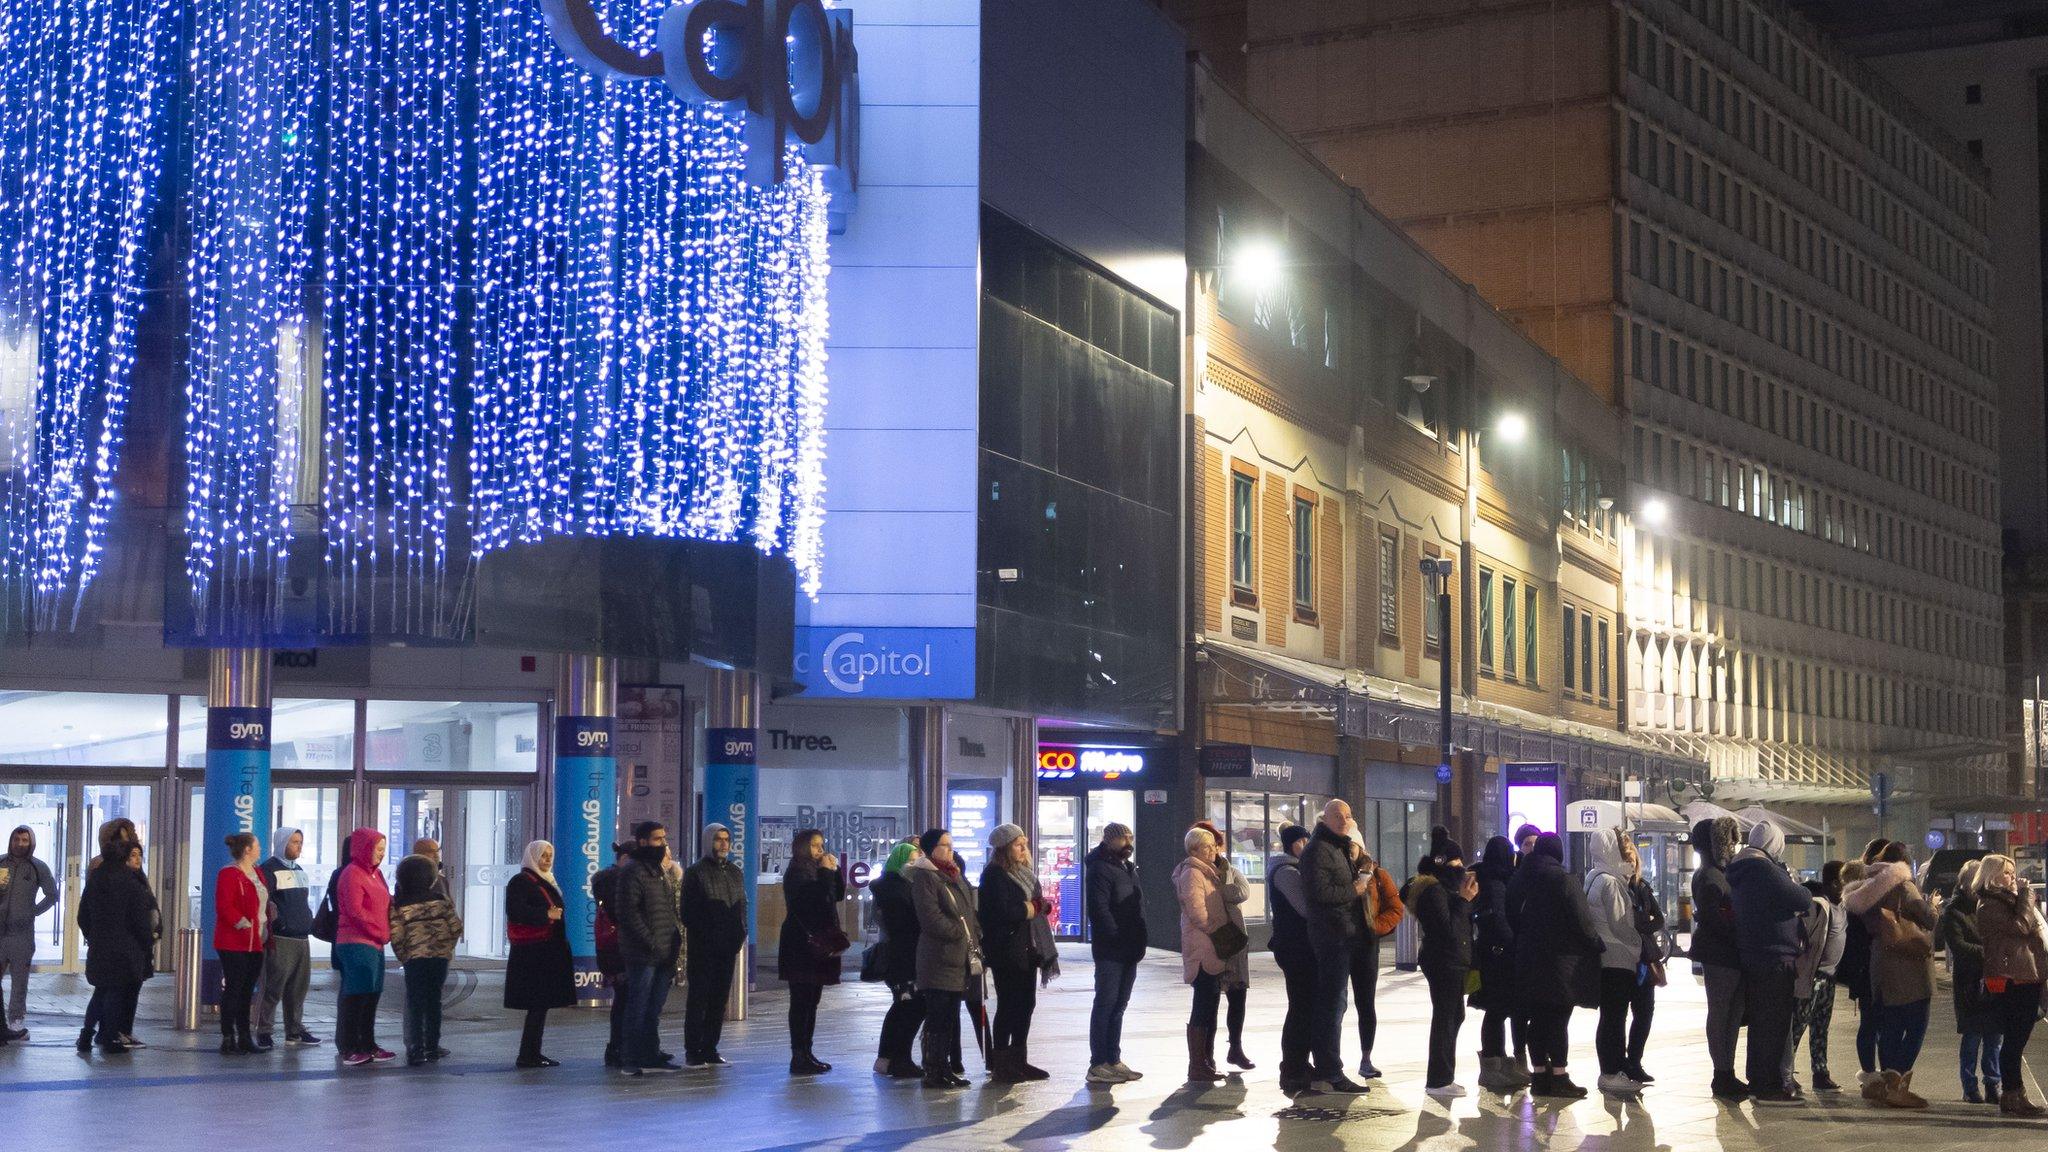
704	996
1900	1030
615	1016
1446	1016
1550	1036
1866	1034
803	1017
1299	972
1981	1048
111	1011
1114	980
1614	1039
1016	1000
2018	1007
17	952
1725	1008
287	972
1326	1021
1494	1029
1365	979
239	973
1768	989
424	977
1208	994
901	1022
647	987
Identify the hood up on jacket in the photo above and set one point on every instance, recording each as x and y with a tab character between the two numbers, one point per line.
19	830
1497	860
1861	896
281	836
1717	840
1603	855
362	847
1279	860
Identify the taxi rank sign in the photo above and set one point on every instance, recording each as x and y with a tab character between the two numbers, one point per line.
790	63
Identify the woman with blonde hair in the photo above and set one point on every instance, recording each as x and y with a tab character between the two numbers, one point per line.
1209	938
2015	963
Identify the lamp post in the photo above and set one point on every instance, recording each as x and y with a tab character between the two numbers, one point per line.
1437	573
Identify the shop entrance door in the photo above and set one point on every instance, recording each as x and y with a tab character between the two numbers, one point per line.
1059	861
65	817
482	832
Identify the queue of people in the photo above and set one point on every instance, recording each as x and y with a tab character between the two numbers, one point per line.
1516	938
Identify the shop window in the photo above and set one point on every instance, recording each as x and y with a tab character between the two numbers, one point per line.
96	729
1486	620
1242	502
1305	559
1390	589
1605	647
445	736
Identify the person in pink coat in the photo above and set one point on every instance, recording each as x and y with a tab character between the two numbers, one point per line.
362	926
1199	884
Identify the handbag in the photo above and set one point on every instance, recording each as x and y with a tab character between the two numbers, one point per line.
829	941
1229	940
326	921
519	933
872	960
975	965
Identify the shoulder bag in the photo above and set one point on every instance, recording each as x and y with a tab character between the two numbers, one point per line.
1229	940
326	921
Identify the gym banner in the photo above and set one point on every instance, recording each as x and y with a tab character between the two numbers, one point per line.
732	797
586	815
237	800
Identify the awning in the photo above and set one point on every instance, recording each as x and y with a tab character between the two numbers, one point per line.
1793	829
1605	815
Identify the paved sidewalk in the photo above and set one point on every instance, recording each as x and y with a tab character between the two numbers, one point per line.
181	1094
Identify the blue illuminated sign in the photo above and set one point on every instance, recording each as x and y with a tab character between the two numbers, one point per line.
886	663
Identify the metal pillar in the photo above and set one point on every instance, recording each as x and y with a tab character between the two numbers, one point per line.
1024	776
586	787
237	784
732	796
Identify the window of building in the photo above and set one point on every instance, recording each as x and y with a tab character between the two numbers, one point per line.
1486	619
1432	622
1242	502
1529	633
1973	93
1586	652
1304	557
1509	634
1571	633
1604	649
1390	589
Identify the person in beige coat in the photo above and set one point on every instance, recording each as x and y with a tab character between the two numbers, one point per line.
1204	912
2015	963
1901	926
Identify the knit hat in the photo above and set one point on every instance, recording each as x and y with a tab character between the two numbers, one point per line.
1766	837
1526	831
1001	837
1114	831
1443	849
1291	835
930	840
1550	844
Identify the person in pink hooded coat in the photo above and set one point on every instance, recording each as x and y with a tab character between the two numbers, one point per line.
362	927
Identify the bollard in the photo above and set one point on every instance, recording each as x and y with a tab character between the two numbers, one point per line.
736	1000
187	964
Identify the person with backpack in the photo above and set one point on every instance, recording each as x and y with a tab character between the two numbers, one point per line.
1287	903
1977	1019
1901	928
424	932
288	955
1826	932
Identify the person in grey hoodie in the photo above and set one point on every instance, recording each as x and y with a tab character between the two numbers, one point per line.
27	890
287	955
1608	881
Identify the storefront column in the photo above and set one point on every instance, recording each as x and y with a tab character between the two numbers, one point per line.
237	780
732	797
1351	757
927	768
586	802
1024	776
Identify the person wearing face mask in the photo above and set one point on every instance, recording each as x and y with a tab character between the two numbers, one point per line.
1116	917
1442	902
287	957
647	907
27	890
540	974
362	909
715	922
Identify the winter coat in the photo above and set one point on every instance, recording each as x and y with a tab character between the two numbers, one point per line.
1900	925
1006	909
27	889
1445	919
1336	916
1713	908
291	898
896	909
1287	907
1235	890
1199	887
1649	919
1838	937
117	915
362	900
1768	905
538	973
1853	973
1493	940
1608	896
1955	932
1116	908
949	932
715	923
1557	949
425	930
647	907
2010	925
238	912
811	899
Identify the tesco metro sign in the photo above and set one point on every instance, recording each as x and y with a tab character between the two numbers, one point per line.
789	63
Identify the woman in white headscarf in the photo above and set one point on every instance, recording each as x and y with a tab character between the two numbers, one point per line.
539	973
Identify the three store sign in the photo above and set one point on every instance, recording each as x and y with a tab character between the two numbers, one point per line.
789	63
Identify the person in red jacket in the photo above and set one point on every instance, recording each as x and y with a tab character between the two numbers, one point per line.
240	914
362	926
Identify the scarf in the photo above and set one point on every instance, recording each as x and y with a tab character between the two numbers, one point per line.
950	869
530	860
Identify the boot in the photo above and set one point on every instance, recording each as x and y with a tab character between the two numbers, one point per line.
2012	1101
244	1042
1874	1086
1898	1091
1970	1093
1238	1057
1994	1091
1561	1086
84	1041
1517	1068
1022	1066
1493	1074
1002	1066
1202	1055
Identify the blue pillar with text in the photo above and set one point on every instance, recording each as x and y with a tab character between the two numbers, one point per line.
586	810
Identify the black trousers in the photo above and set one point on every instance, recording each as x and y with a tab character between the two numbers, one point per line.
2019	1006
1299	973
532	1032
803	1017
704	997
112	1010
239	973
1016	1000
1550	1042
941	1030
1233	1013
1446	1017
616	1043
1618	990
1496	1027
355	1023
900	1024
1769	988
1365	980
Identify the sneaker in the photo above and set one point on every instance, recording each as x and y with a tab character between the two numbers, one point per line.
131	1043
1822	1082
1618	1084
264	1041
1126	1071
1366	1071
432	1053
1446	1091
629	1070
1636	1073
381	1056
663	1067
1103	1074
304	1039
355	1059
1338	1085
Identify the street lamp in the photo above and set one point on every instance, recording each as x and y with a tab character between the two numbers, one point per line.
1512	428
1656	512
1437	573
1258	264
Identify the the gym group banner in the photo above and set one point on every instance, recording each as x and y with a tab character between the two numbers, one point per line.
586	812
237	800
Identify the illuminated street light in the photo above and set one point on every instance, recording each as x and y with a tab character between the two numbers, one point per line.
1512	428
1656	512
1258	264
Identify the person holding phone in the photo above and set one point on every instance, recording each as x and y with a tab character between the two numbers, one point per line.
811	943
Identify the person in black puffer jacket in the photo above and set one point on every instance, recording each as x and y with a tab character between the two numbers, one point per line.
647	906
1287	904
897	913
1714	949
1493	950
1771	935
1442	903
1557	961
808	949
1116	940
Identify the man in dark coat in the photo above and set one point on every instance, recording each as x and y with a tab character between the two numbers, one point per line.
117	916
1335	892
715	913
1116	920
1557	960
1714	949
646	905
1769	937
